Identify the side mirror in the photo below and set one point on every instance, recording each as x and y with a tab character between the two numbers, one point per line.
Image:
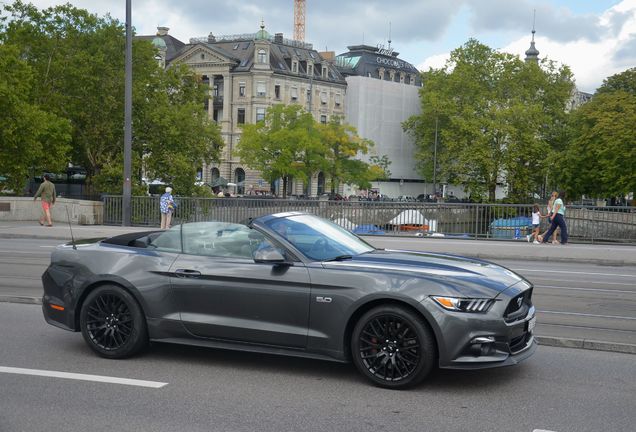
269	255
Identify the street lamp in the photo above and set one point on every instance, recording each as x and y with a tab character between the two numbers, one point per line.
126	199
435	161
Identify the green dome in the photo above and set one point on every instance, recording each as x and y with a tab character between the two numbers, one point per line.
159	43
262	34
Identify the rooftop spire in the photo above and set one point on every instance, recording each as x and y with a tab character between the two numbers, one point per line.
532	54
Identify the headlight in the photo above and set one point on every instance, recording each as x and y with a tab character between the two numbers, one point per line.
456	304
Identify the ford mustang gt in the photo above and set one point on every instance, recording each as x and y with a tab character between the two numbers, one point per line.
292	284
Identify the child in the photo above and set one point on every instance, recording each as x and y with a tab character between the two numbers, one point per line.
536	220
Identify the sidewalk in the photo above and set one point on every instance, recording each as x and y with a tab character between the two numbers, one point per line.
603	254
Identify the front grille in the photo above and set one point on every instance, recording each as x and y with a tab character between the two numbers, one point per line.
518	306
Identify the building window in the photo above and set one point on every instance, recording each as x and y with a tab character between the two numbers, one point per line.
260	114
260	88
262	56
323	119
214	175
239	178
324	71
310	70
323	98
242	89
321	184
277	91
294	94
294	66
206	104
241	116
337	99
199	174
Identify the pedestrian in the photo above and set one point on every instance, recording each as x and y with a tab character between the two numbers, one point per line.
47	193
558	219
166	206
550	211
536	222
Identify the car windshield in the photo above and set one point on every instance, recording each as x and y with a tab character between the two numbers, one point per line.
319	239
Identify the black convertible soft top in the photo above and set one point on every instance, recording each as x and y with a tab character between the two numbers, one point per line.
130	238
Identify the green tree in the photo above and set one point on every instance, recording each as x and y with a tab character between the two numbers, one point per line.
343	145
285	144
30	138
497	119
381	165
78	59
624	81
601	154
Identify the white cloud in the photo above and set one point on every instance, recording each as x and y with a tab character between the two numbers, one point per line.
590	61
436	62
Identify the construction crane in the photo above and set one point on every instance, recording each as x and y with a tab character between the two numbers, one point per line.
299	20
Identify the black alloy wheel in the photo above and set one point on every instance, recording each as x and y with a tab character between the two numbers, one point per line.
112	323
393	347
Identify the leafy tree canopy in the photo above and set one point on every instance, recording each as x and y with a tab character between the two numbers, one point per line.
79	60
600	158
497	119
290	143
31	139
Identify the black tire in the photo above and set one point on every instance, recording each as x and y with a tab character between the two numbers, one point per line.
393	347
112	323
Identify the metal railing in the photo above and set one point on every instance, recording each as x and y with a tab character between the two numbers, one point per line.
498	221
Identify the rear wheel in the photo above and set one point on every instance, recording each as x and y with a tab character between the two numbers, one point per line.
112	323
393	347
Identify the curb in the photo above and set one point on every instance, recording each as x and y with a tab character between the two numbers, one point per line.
586	344
20	299
542	340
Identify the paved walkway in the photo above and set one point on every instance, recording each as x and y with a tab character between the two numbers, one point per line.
617	255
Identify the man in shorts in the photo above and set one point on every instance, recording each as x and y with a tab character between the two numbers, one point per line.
47	192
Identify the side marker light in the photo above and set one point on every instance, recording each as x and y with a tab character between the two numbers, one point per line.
56	307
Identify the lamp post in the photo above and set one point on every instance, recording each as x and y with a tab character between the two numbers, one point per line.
435	161
126	213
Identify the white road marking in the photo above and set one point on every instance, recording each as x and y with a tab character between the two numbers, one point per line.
573	272
589	282
20	252
48	246
541	430
585	289
82	377
586	315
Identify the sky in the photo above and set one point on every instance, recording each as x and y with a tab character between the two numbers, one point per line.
595	38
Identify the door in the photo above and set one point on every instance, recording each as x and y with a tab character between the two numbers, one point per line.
223	294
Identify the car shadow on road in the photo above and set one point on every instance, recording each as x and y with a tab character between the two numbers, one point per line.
438	380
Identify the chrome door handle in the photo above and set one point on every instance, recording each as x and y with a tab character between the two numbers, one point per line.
184	273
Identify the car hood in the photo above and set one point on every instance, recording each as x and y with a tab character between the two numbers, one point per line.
460	275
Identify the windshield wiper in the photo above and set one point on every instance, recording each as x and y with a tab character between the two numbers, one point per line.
339	258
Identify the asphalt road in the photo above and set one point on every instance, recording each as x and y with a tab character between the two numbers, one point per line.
574	300
557	389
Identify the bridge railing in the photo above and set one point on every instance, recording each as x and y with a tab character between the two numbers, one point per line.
467	220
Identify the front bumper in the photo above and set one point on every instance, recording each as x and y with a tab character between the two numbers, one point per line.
486	340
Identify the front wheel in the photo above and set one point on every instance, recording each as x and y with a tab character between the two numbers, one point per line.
112	323
393	347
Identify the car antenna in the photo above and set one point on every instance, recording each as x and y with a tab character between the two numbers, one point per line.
71	228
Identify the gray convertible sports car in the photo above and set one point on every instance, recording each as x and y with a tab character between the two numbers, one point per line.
292	284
